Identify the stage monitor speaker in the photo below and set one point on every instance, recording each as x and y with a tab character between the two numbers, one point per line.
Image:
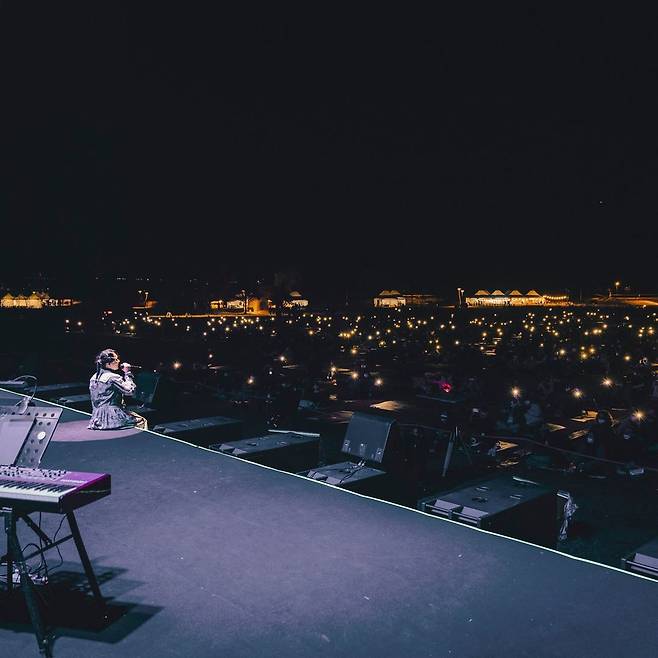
507	506
203	431
287	451
81	402
643	560
369	435
346	475
54	391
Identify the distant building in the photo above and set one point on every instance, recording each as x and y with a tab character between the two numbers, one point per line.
389	299
420	300
295	300
557	299
235	305
255	305
36	300
394	299
516	298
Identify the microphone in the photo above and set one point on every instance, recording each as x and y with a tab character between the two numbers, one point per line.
130	366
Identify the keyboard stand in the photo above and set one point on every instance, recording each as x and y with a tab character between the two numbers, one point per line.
15	555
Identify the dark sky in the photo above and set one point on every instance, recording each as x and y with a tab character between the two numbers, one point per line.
462	147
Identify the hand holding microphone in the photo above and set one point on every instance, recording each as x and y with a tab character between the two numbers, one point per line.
127	367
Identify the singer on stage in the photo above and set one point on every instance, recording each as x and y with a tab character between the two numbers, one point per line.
107	386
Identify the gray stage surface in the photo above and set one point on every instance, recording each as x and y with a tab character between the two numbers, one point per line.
200	554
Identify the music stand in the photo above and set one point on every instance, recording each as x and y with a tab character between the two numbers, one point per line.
13	433
24	437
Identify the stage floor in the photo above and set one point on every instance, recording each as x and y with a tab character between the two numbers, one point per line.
201	554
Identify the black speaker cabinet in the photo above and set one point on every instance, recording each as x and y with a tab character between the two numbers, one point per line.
371	437
503	505
331	426
54	391
202	431
287	451
643	560
81	402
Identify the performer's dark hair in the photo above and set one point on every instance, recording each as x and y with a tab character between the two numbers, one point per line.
103	358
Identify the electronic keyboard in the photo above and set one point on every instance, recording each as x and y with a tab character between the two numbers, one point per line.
50	490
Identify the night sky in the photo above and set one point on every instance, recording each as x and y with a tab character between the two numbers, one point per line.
471	147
